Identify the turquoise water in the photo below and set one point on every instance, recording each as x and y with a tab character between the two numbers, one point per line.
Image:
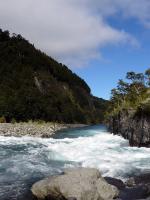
25	160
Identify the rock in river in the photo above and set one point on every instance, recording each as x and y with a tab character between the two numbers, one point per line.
75	184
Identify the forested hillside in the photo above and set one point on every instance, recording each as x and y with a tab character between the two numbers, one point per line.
34	86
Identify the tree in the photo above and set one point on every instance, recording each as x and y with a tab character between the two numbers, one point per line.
131	93
4	35
135	77
147	74
131	76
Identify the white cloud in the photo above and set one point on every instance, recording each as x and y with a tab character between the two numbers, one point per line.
72	31
138	9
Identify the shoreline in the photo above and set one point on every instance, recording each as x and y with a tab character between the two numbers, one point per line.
35	129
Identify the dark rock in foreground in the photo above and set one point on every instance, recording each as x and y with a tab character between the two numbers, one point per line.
137	187
116	182
134	193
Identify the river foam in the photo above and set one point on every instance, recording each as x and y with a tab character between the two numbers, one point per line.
25	160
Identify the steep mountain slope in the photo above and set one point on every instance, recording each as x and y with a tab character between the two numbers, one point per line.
35	86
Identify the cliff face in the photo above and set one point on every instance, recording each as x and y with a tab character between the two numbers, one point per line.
132	125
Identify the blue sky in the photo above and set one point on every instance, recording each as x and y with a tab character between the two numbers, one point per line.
99	40
102	75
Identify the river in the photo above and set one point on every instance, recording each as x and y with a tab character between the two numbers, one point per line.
25	160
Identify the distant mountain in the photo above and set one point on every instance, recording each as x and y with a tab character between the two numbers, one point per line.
34	86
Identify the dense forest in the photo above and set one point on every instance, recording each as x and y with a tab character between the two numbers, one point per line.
33	86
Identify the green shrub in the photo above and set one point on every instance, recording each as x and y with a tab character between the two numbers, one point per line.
2	119
13	121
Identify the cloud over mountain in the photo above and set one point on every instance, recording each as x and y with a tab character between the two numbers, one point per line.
71	31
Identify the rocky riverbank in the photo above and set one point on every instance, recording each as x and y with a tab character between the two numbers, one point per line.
132	126
34	129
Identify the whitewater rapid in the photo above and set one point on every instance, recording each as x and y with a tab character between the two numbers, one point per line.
25	160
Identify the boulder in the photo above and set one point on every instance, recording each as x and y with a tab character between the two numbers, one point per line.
75	184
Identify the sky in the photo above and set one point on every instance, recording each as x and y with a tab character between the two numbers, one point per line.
100	40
